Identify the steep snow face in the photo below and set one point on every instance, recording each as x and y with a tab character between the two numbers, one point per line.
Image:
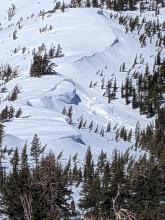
91	44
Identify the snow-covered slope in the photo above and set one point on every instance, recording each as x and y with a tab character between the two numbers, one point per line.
91	44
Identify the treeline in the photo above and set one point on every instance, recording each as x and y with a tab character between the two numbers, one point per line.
39	186
121	5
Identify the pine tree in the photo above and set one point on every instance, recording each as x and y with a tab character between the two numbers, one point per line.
158	58
14	95
70	114
134	100
42	65
2	152
80	123
91	85
52	52
5	114
117	135
15	163
102	86
102	132
95	3
12	190
64	111
147	72
18	113
63	7
59	52
135	61
25	180
137	133
54	189
101	162
97	129
108	127
67	172
115	86
84	124
90	126
129	136
15	35
87	4
123	67
11	112
36	149
88	166
108	90
122	91
88	192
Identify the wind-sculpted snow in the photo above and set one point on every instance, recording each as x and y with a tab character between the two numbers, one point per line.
64	91
88	58
94	48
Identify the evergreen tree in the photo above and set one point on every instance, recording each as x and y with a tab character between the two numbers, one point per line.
84	124
95	3
3	151
91	85
64	111
134	100
12	189
42	65
36	149
97	129
90	126
80	123
87	4
59	52
108	127
88	194
70	114
18	113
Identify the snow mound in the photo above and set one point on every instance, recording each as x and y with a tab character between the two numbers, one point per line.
64	91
